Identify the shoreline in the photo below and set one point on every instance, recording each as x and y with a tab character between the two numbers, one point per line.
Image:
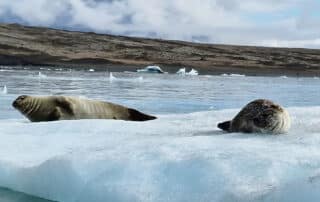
40	46
215	71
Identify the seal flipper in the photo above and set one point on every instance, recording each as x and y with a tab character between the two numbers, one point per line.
54	115
135	115
65	105
225	125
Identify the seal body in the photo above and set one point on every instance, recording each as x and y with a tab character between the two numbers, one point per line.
53	108
259	116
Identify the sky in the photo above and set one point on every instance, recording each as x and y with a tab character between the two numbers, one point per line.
276	23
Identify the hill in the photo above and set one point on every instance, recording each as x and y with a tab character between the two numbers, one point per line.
22	45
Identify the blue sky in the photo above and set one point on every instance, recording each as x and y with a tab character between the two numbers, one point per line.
278	23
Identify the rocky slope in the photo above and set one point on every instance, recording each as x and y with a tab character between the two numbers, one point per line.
21	45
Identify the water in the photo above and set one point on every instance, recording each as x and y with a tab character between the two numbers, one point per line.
160	93
181	156
7	195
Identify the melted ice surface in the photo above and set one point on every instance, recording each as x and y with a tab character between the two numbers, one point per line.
181	156
174	158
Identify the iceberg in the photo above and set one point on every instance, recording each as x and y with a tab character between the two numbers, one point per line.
178	157
193	72
151	69
181	71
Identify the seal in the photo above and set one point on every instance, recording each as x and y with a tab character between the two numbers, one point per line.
259	116
53	108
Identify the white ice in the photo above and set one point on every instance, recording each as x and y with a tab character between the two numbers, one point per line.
174	158
111	77
233	75
192	72
4	90
151	69
41	75
181	71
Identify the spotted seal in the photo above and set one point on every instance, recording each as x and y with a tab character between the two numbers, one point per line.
259	116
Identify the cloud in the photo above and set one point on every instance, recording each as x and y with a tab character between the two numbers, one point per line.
250	22
311	43
38	12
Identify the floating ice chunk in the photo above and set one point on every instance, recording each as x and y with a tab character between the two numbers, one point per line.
91	70
45	68
192	72
6	70
41	76
111	77
151	69
181	71
4	90
284	77
234	75
237	75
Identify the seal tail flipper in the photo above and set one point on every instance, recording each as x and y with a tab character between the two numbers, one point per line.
225	125
135	115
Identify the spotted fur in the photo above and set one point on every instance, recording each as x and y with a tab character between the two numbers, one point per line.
259	116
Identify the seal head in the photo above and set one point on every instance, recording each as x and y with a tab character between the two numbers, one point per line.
39	109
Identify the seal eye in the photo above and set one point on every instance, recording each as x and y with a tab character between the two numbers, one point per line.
22	97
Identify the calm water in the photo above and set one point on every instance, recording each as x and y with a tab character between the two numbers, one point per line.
156	94
159	94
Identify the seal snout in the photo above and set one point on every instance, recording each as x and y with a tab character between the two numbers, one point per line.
15	104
